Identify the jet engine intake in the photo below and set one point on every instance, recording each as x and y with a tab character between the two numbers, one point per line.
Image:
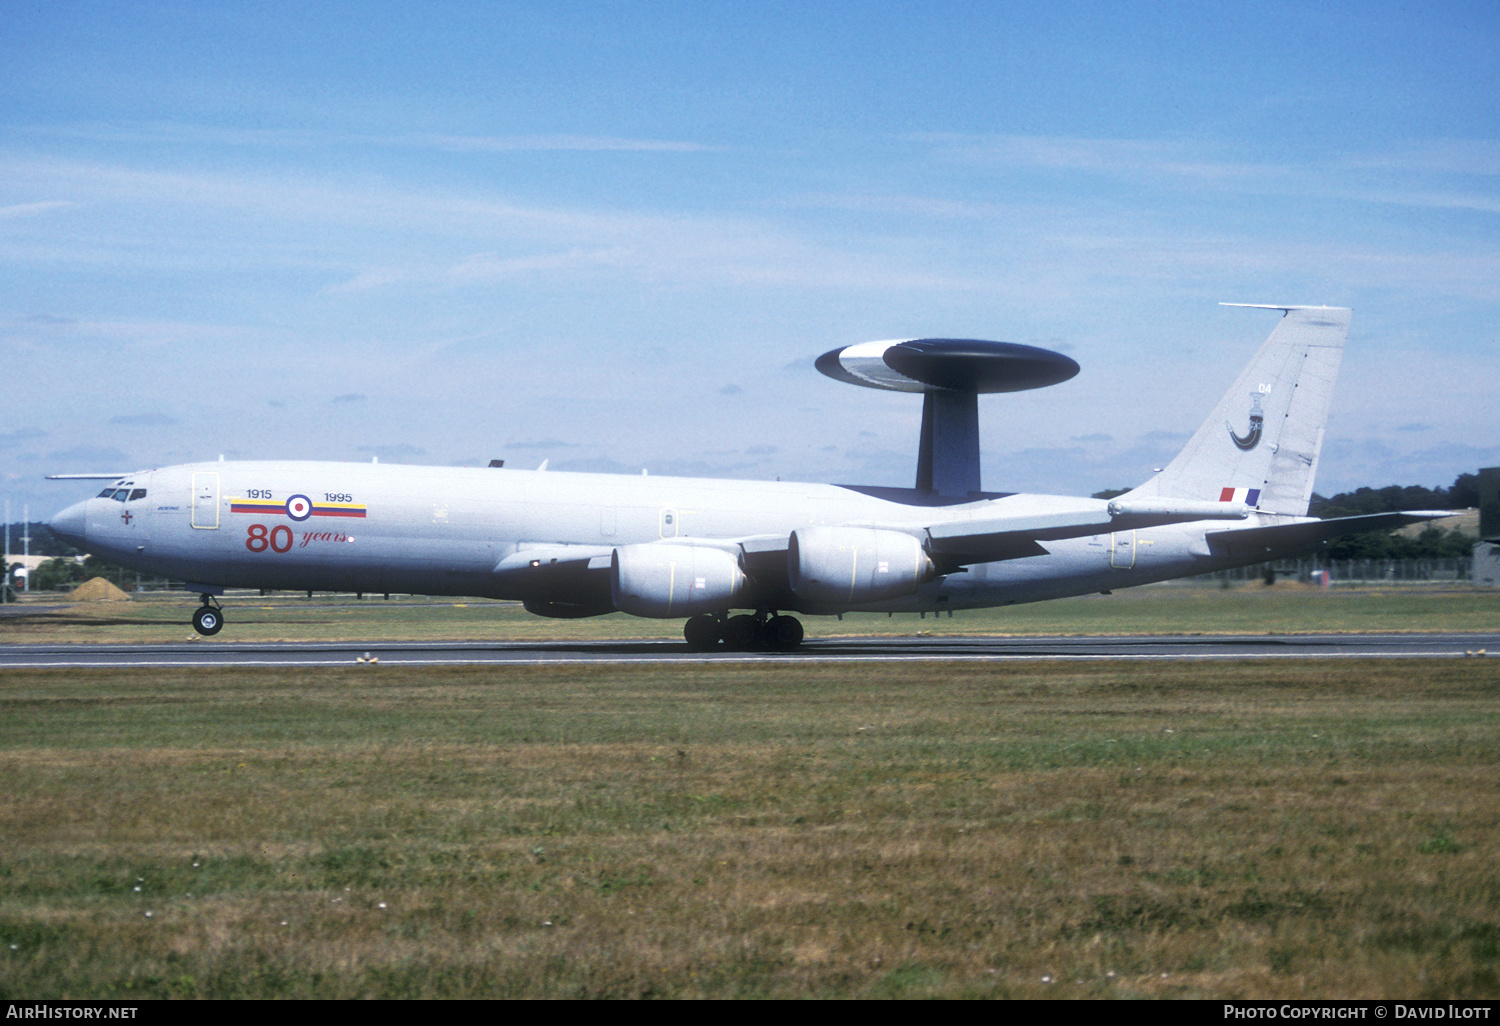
854	565
666	580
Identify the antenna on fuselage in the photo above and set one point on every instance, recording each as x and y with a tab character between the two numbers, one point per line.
950	373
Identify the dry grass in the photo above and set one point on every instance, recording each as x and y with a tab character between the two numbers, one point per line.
1251	830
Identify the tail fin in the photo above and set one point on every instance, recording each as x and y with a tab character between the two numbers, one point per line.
1260	446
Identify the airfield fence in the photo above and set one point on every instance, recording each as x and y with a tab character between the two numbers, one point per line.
1348	572
1310	570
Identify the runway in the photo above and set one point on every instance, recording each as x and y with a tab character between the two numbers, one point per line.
851	649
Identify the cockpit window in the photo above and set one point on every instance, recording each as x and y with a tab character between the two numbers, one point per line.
138	493
106	493
121	494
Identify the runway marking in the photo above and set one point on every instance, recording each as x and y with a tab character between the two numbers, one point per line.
822	651
394	659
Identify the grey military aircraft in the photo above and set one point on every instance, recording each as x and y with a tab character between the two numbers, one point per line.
576	545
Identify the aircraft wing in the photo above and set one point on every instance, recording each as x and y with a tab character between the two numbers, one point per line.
982	541
1282	539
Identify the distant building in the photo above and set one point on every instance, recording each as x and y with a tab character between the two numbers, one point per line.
1487	549
21	567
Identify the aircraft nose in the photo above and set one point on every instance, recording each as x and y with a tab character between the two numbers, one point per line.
71	525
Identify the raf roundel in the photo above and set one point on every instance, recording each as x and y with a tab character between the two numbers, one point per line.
299	507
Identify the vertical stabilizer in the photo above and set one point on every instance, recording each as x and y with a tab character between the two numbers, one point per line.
1260	446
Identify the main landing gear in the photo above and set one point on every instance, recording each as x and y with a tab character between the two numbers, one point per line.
762	631
208	620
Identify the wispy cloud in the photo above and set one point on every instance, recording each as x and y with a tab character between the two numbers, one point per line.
33	209
95	457
281	138
476	269
26	434
46	331
587	143
143	420
1441	156
901	204
1057	153
543	443
684	247
1385	177
399	451
1433	200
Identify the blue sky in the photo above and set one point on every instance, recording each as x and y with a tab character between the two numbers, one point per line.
615	236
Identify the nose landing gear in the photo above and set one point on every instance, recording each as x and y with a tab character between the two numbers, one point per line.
761	631
208	619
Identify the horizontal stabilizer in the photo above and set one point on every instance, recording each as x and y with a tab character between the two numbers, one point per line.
1281	540
982	541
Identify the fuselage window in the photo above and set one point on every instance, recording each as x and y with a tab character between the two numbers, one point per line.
138	493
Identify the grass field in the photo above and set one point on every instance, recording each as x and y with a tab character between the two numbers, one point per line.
1257	829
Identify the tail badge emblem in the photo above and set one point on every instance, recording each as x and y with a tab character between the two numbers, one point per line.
1257	420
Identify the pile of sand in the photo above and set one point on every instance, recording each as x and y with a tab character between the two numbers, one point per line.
97	589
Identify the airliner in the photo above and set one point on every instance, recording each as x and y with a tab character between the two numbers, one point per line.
735	559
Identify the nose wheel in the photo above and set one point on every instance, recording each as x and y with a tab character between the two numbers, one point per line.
208	620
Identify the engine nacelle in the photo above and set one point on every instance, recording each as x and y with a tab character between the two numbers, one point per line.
855	565
665	580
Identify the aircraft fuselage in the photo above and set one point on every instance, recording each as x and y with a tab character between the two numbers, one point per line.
570	545
467	532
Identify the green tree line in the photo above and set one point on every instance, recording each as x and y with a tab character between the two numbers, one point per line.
62	572
1433	543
